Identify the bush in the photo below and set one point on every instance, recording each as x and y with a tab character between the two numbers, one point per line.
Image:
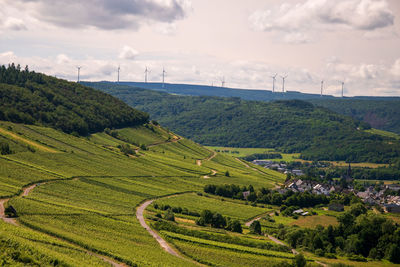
299	260
5	149
357	258
227	174
255	228
169	215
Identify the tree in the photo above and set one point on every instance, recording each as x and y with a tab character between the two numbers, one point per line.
218	221
234	226
299	260
227	174
393	253
255	228
207	216
169	215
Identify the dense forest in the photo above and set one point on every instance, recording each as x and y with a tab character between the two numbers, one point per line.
289	126
34	98
380	114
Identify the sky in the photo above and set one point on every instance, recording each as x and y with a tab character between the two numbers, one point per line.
244	42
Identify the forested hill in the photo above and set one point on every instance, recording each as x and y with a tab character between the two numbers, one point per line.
290	126
206	90
34	98
379	113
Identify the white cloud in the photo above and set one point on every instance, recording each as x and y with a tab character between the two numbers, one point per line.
299	21
166	28
63	59
128	53
14	24
104	14
395	70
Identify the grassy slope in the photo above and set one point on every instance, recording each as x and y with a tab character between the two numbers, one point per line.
94	204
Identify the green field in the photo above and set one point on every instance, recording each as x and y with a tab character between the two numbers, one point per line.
243	152
89	190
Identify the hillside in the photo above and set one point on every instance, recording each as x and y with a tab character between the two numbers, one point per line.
289	126
380	112
34	98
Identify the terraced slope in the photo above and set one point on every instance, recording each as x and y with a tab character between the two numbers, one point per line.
89	190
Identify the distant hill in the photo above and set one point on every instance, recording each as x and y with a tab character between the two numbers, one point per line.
381	112
34	98
290	126
205	90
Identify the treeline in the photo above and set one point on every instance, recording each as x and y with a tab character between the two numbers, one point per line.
359	235
216	220
266	196
268	155
314	170
288	126
34	98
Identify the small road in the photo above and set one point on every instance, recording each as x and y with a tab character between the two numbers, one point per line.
160	240
253	220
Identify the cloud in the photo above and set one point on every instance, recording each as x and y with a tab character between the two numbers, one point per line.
395	70
14	24
105	14
299	21
62	59
128	53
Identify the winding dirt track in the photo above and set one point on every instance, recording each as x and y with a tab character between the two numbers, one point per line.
160	240
253	220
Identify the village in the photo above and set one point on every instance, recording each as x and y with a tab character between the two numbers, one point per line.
385	196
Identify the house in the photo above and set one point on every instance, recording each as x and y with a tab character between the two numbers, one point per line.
394	187
336	207
246	194
392	208
300	211
298	172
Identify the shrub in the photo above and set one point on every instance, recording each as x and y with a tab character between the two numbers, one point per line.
169	215
255	228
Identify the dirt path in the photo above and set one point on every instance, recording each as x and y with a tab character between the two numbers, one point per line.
28	189
160	240
3	215
248	166
256	219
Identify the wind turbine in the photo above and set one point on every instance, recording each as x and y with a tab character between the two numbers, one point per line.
119	68
342	88
322	87
273	82
223	81
283	83
146	72
163	77
79	72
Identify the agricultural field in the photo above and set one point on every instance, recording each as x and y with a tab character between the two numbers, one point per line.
89	190
243	152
